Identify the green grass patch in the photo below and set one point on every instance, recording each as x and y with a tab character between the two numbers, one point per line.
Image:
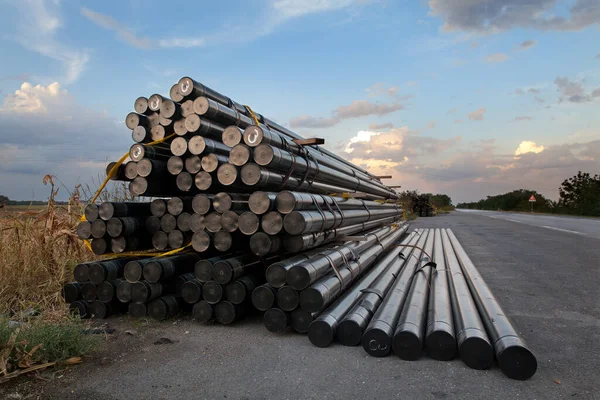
46	341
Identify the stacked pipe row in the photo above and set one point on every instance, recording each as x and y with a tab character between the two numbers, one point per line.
214	143
423	295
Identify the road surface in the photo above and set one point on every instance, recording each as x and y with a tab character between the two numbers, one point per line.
574	225
547	281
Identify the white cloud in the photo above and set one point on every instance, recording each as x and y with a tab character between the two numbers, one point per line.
38	24
496	58
31	99
526	45
50	133
493	16
122	31
477	115
527	146
298	8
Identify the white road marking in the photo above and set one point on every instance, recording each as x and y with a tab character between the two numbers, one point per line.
514	220
564	230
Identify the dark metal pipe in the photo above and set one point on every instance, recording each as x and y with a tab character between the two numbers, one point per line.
227	312
272	223
139	151
166	267
320	294
141	106
155	101
306	273
261	202
158	207
474	347
288	201
197	223
513	355
178	239
71	292
80	308
377	338
277	320
201	241
407	342
203	312
131	170
124	291
352	326
229	221
287	299
239	291
107	291
211	162
203	127
301	320
201	145
230	201
147	167
202	203
263	297
168	223
89	291
138	310
84	230
164	308
125	226
248	223
183	222
91	212
108	210
301	222
262	244
160	240
212	292
177	205
440	341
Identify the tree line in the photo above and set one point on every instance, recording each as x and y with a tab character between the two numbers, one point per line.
578	195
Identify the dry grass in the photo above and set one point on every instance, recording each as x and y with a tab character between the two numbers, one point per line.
38	250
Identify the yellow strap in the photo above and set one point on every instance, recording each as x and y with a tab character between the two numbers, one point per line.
252	115
112	173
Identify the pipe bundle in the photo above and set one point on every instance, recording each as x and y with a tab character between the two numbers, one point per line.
424	295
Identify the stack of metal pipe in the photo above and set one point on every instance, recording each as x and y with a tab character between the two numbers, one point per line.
424	295
238	192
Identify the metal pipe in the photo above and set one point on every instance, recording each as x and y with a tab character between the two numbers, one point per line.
230	201
108	210
298	166
262	244
261	202
301	222
513	355
212	292
211	162
131	170
201	126
166	267
254	175
178	239
407	342
201	241
474	347
222	241
124	291
272	223
107	290
377	338
320	294
80	308
120	175
160	240
91	212
170	109
230	221
139	151
276	320
263	297
296	243
440	340
183	222
177	205
155	101
203	312
164	308
288	201
240	154
248	223
306	273
168	223
71	292
202	203
89	291
240	290
197	223
174	93
232	136
227	312
301	320
120	244
287	298
141	106
371	293
84	230
147	167
193	164
125	226
109	270
158	207
201	145
229	269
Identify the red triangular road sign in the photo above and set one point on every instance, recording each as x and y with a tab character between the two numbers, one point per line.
532	198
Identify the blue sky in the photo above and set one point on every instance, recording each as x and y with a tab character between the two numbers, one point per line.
459	96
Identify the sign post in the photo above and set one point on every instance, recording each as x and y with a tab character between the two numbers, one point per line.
532	200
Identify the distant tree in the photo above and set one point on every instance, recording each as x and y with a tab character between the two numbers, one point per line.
581	194
4	199
517	200
440	200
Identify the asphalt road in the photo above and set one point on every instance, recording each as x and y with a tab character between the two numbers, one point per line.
573	225
546	280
